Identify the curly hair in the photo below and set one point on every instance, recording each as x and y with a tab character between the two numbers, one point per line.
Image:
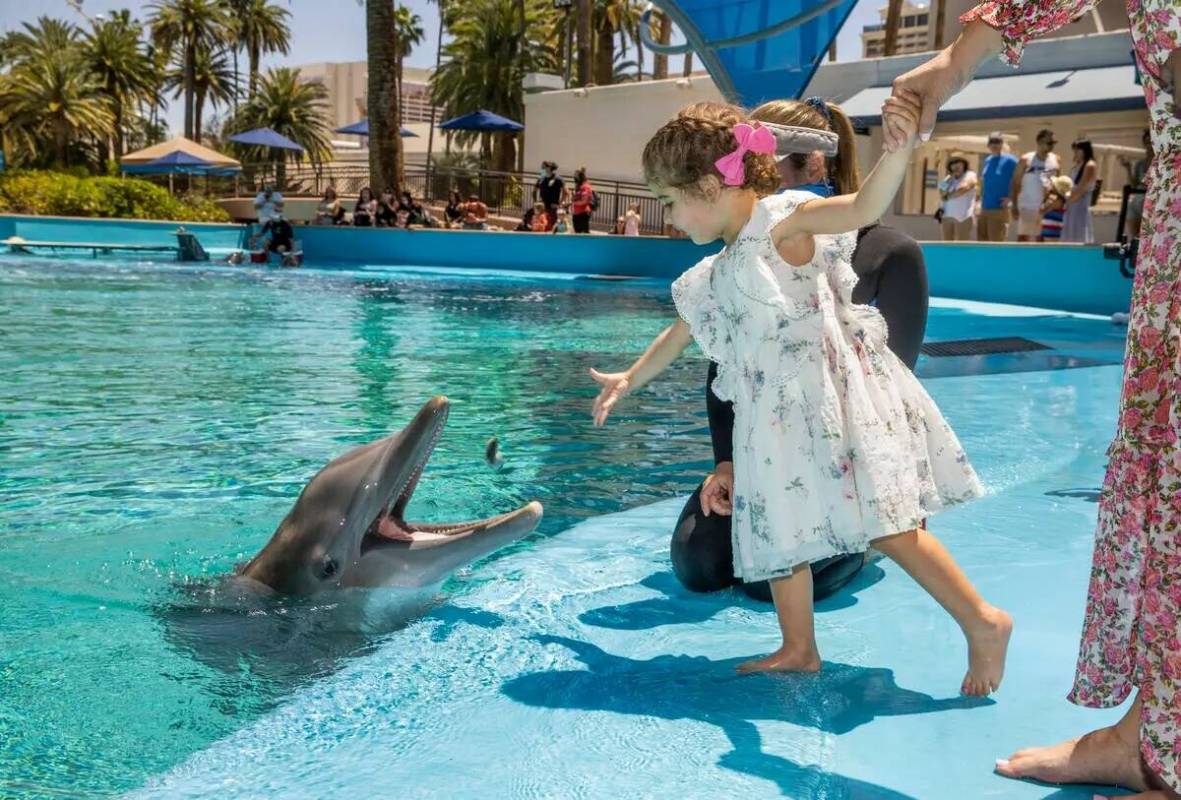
682	153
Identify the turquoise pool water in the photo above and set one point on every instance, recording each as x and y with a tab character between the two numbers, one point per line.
156	422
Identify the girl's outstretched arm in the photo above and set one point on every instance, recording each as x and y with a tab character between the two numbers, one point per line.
663	351
849	212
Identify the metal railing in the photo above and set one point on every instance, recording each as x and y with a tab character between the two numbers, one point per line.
507	194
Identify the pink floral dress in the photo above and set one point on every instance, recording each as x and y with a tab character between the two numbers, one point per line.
1132	630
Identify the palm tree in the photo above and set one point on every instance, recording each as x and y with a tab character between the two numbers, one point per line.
55	99
213	81
44	39
117	57
385	145
585	47
491	50
893	18
409	35
189	25
259	28
294	108
665	35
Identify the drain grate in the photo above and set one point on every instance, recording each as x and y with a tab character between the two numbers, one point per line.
982	347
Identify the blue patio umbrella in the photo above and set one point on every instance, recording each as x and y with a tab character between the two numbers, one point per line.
481	121
179	162
362	129
265	137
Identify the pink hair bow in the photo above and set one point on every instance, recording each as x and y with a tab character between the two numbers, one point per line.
753	140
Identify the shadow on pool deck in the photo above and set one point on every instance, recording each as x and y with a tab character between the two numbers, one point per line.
838	700
673	610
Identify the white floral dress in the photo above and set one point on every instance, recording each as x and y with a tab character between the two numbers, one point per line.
835	441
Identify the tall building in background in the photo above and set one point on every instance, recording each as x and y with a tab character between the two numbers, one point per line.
916	29
914	32
348	83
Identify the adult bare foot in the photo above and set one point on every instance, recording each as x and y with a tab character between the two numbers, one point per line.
988	642
1104	757
783	660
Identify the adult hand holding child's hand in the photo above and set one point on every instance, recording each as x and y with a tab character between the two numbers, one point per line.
615	385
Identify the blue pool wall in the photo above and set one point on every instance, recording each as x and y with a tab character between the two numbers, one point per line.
1066	277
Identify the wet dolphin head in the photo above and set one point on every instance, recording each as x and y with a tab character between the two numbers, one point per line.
348	527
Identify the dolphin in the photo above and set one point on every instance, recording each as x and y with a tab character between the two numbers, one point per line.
342	569
348	530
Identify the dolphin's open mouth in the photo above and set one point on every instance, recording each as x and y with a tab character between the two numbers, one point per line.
391	523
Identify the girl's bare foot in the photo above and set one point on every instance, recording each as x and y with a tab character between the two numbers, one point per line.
988	641
784	660
1104	757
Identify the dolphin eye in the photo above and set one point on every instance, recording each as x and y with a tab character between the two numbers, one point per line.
328	568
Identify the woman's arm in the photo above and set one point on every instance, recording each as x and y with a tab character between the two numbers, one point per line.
848	212
969	185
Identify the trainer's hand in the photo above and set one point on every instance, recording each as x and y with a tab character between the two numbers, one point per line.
615	386
718	490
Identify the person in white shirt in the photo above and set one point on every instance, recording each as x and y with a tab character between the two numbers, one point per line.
1031	179
958	190
268	204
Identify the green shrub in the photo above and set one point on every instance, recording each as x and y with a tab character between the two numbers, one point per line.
62	194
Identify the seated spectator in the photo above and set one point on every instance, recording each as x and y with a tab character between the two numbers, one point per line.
1054	208
387	211
416	213
267	204
631	226
618	228
330	211
453	213
365	209
562	224
540	222
475	214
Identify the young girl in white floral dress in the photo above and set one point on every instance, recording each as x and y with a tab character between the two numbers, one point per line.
837	445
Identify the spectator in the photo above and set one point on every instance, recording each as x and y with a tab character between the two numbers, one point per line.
540	222
387	211
1054	208
453	213
416	213
996	180
475	214
1076	224
551	189
1030	182
584	202
268	204
958	190
365	209
330	211
618	228
1136	173
282	236
631	220
561	225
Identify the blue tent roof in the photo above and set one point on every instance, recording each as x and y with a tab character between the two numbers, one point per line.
755	50
362	129
481	121
178	162
265	137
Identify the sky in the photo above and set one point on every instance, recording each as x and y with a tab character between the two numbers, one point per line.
335	30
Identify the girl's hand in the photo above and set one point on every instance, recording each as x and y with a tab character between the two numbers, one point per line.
718	490
900	114
615	386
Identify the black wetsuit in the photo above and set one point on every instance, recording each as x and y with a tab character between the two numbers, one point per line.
893	276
